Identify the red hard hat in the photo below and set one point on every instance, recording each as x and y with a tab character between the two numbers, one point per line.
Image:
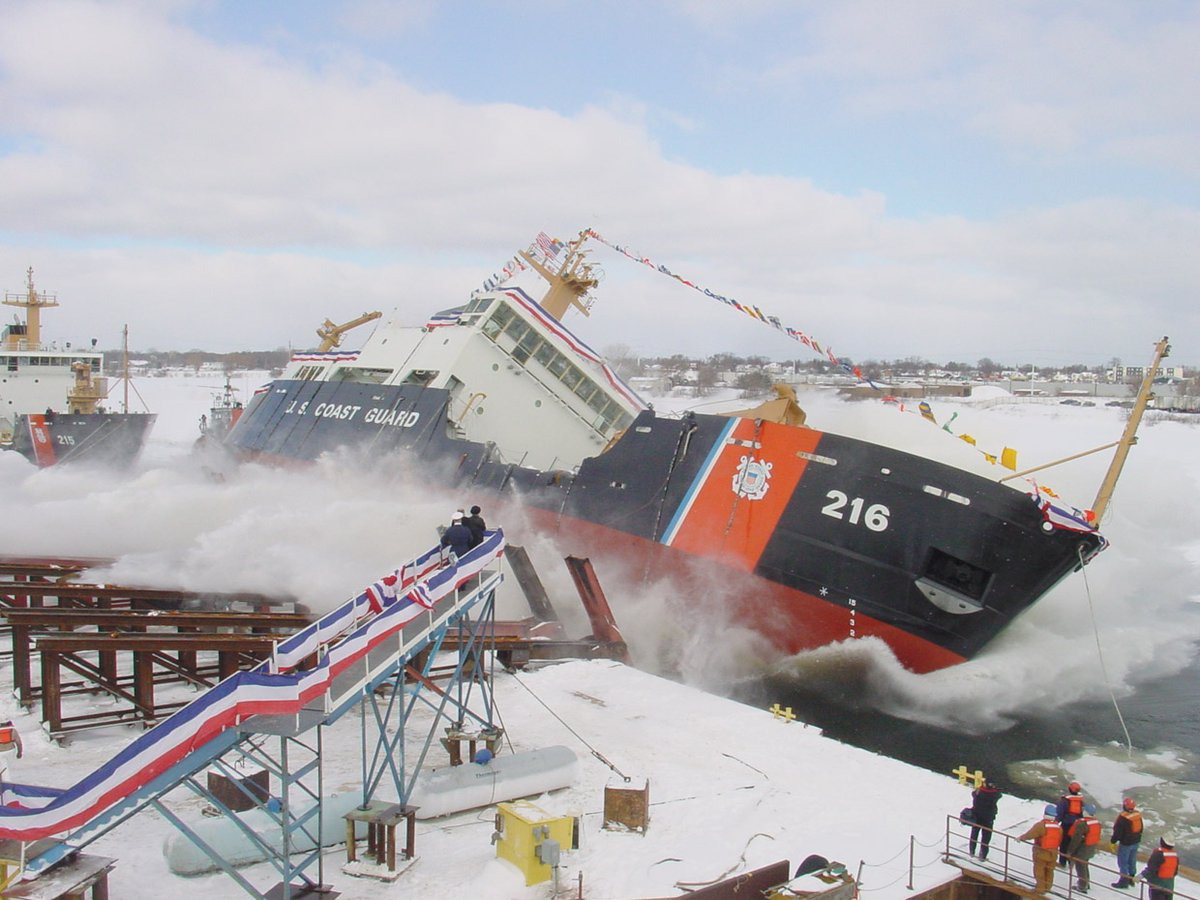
1073	787
1128	803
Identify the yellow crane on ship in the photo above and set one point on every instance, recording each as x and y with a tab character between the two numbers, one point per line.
331	334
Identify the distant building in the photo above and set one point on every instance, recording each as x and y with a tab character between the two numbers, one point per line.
1137	373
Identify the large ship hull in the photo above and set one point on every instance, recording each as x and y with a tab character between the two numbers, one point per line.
110	439
810	537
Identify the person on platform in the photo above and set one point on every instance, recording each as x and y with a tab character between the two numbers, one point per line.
1082	841
1070	808
1126	835
457	538
1161	868
475	522
983	805
1047	839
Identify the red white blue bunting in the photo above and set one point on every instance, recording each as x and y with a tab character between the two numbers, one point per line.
274	687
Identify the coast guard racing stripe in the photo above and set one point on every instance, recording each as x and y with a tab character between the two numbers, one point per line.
737	498
39	437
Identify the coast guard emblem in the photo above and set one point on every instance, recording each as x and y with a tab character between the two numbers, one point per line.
752	478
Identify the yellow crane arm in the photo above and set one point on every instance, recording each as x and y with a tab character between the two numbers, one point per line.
331	334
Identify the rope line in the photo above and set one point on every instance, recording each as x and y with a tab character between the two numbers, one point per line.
596	753
866	890
1100	653
690	885
886	861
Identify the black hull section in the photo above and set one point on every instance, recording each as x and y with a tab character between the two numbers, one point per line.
113	440
844	538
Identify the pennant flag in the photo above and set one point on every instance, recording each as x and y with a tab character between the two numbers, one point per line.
752	311
927	413
1008	458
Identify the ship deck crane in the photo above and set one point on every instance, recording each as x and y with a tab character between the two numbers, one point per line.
331	334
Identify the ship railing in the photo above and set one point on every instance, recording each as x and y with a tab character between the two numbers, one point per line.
1010	861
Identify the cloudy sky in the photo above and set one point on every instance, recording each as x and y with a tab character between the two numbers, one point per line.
943	179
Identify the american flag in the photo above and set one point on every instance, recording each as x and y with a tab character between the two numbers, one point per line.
548	245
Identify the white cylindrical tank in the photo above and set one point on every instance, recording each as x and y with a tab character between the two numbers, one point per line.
185	858
451	789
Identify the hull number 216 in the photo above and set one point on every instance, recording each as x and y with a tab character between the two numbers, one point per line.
875	516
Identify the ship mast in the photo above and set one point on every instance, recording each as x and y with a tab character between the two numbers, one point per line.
125	365
32	302
1129	437
570	283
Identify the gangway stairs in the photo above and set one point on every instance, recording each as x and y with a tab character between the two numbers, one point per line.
311	679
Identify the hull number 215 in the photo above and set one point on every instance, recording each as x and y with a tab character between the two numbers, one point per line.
875	516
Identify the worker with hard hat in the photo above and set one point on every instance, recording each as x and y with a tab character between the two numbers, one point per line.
1161	868
1126	835
1046	835
1070	808
1082	841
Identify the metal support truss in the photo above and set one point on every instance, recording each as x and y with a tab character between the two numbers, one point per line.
296	813
404	685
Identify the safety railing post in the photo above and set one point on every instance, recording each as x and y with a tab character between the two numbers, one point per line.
912	842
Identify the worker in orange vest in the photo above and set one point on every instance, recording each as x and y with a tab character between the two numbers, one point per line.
1047	840
1070	808
1126	835
1161	868
10	739
1082	841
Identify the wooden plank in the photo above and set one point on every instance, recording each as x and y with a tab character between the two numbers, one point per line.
76	643
531	585
101	618
68	879
51	695
76	590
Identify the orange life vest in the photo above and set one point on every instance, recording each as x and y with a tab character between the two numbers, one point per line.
1073	804
1053	836
1169	865
1135	821
1093	830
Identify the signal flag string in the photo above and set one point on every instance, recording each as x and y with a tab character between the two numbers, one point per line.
753	311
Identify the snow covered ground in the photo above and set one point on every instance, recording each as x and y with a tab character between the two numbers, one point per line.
732	787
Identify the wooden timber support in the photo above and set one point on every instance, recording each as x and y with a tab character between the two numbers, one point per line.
26	624
21	595
604	624
234	651
541	636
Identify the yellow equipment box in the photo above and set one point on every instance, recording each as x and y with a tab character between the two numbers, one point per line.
531	839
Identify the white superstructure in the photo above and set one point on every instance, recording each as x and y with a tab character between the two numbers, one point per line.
36	376
515	378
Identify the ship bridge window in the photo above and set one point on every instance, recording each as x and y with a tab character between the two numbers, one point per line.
10	363
422	377
498	319
516	328
478	305
544	353
525	346
308	373
572	376
586	390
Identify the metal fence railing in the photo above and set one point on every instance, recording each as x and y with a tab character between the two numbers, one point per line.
1010	859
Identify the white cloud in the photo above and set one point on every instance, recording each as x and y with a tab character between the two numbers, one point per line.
166	179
